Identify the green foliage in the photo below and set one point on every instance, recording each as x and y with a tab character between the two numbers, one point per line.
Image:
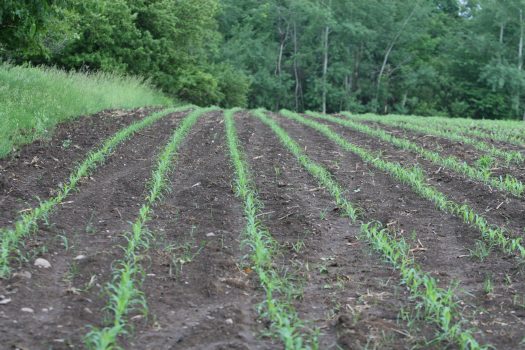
233	85
171	43
35	99
198	87
21	23
426	57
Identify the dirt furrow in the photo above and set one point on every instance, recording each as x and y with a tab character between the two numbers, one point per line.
199	294
446	147
349	294
440	241
35	171
81	240
499	207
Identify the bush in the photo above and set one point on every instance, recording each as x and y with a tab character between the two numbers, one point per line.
234	85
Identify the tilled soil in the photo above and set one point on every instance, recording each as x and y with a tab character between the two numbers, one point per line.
348	293
36	170
441	242
200	291
462	151
199	295
81	241
501	208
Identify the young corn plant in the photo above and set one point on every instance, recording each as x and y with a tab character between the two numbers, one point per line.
438	304
10	237
277	307
124	293
433	129
509	184
497	130
414	177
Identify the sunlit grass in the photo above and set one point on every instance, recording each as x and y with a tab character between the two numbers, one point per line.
34	99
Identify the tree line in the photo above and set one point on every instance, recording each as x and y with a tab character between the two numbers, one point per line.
425	57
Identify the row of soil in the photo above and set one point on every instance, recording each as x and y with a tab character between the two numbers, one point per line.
499	207
441	242
450	148
496	143
81	240
348	293
36	170
199	294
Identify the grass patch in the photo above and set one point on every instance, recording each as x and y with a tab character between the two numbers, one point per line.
35	99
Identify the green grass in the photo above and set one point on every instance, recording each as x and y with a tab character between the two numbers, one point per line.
124	293
35	99
10	237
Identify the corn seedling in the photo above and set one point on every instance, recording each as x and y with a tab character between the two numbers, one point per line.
124	293
507	156
414	177
438	304
508	184
28	222
285	323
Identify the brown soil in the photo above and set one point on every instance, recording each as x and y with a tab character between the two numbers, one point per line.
441	241
92	222
460	150
349	294
199	289
36	170
500	208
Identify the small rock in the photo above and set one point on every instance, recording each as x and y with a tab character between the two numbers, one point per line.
4	300
27	309
80	257
42	263
24	274
211	234
229	321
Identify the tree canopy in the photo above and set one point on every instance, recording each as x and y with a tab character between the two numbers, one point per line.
427	57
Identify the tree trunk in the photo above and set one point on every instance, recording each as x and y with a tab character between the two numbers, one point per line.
325	66
501	30
389	50
357	64
296	68
283	36
520	49
520	62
